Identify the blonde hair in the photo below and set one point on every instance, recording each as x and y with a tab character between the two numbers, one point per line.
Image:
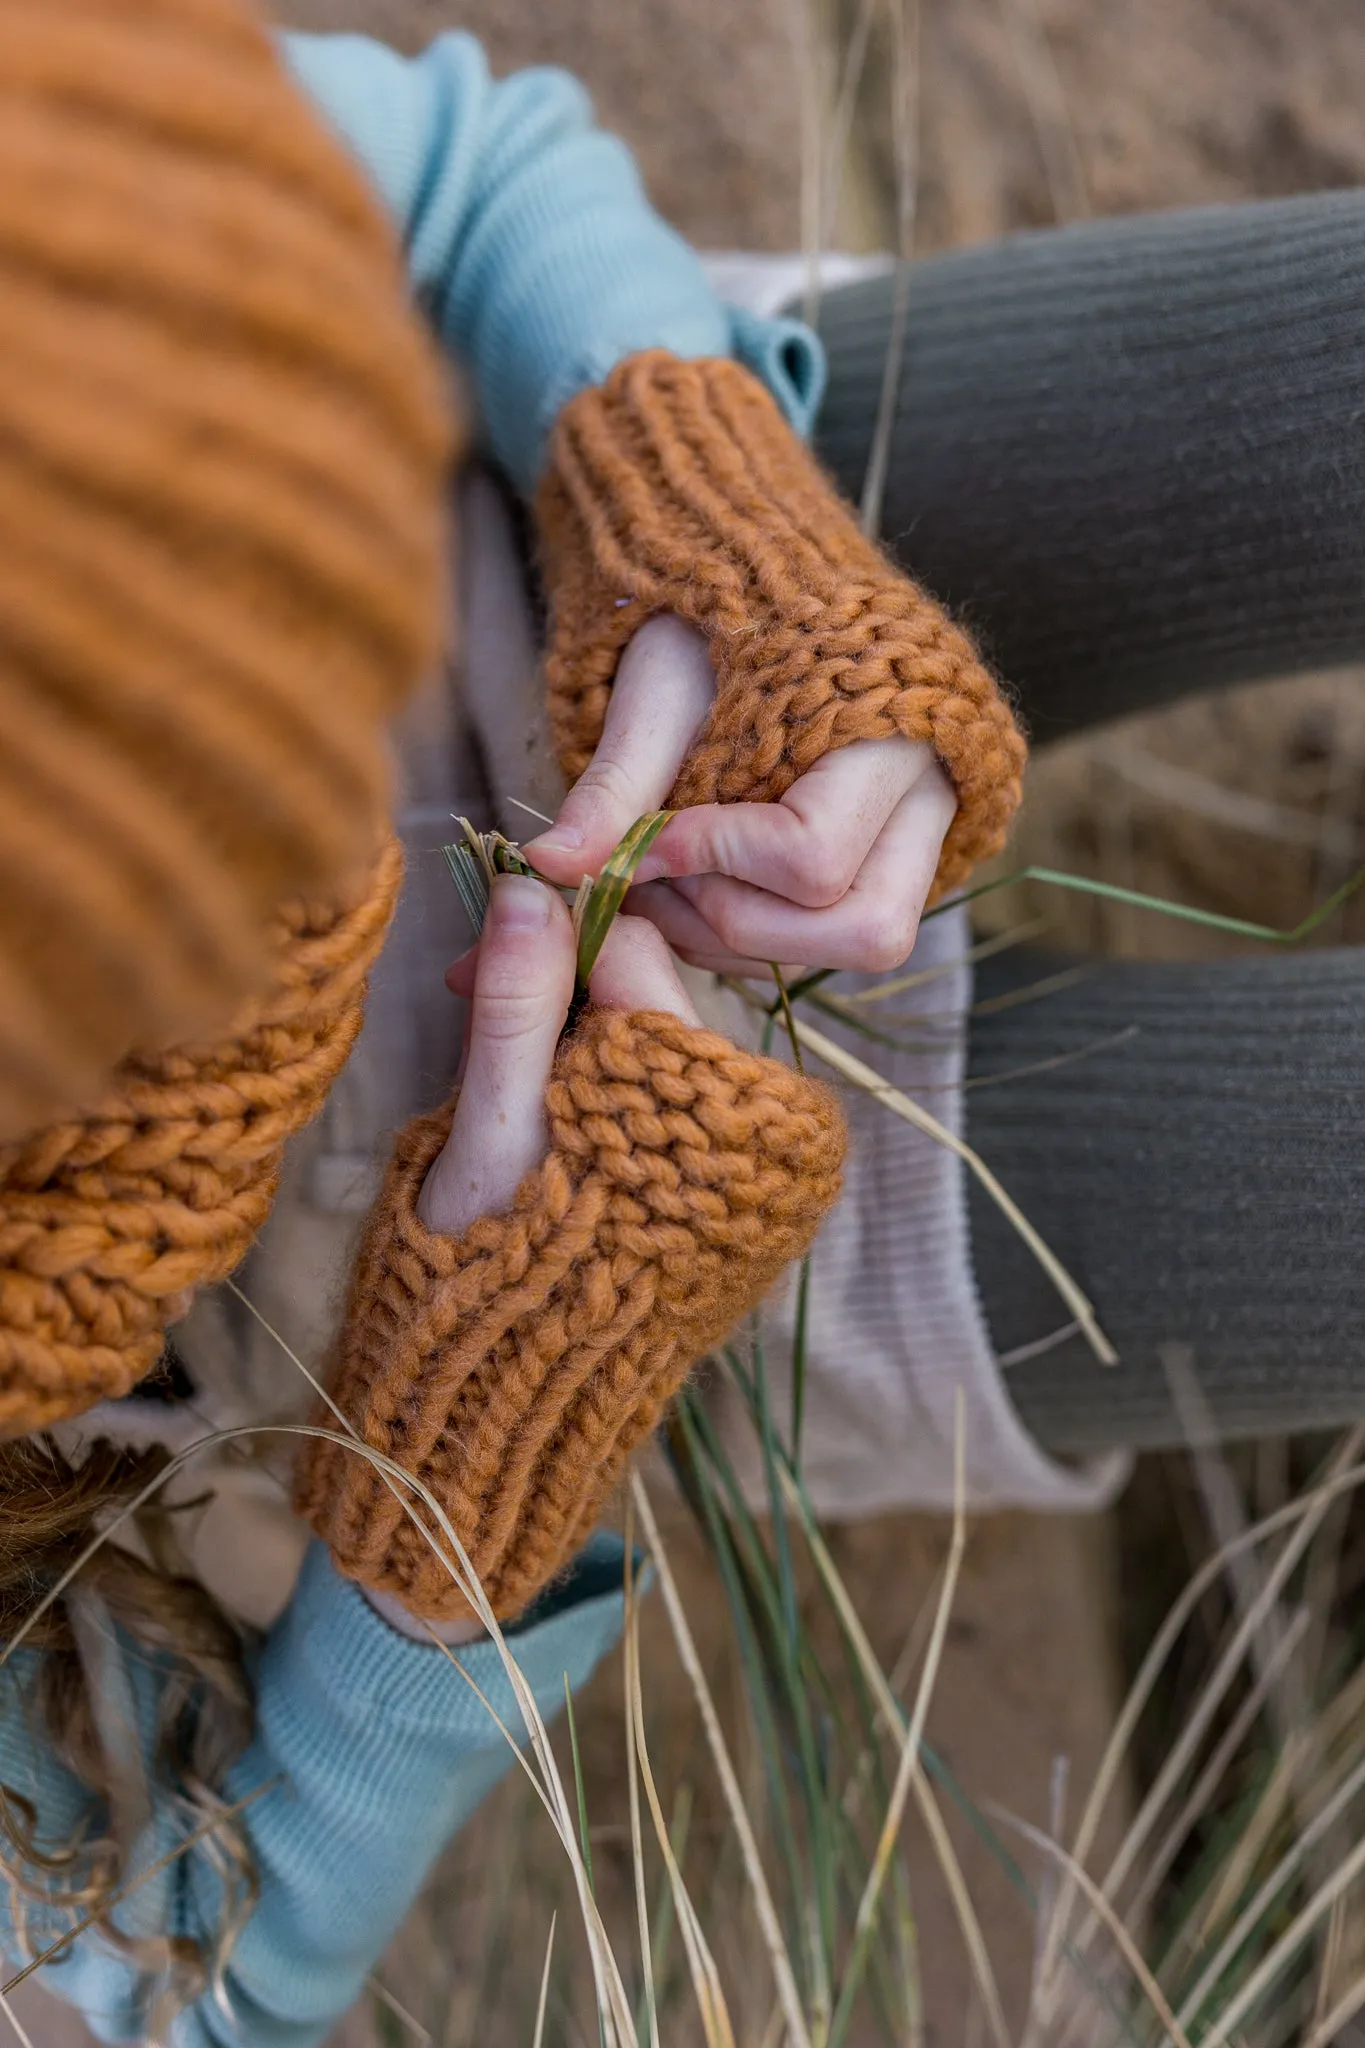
51	1511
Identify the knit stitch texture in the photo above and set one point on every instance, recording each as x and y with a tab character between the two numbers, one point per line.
515	1369
108	1220
677	486
224	439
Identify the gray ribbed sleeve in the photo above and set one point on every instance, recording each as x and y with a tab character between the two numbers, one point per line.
1131	453
1199	1164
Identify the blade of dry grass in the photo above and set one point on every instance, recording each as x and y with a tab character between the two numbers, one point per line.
1344	1472
419	2033
1264	1898
1048	109
1289	1701
637	1847
1284	1950
706	1984
1215	1770
894	1722
1341	1715
1330	2032
1104	1912
841	125
904	1106
1185	789
545	1985
12	2016
780	1962
905	87
866	1921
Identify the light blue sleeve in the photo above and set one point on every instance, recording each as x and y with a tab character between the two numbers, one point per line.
373	1751
530	241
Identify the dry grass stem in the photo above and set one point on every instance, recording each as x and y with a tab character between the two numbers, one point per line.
769	1923
904	1106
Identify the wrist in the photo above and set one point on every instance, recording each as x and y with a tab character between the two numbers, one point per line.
466	1629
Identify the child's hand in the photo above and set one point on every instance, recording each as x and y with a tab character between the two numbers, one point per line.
834	875
520	979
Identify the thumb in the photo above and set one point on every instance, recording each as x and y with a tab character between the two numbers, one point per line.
659	701
522	986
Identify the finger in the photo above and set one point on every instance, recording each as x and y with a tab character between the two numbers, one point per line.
691	937
522	987
662	693
460	974
872	927
810	846
635	971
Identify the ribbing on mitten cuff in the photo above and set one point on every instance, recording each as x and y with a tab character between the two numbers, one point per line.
107	1220
678	487
513	1370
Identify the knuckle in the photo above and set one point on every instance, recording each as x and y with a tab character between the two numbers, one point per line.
820	876
505	1010
607	778
727	925
887	939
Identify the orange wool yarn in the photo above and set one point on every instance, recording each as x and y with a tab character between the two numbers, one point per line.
106	1220
677	486
514	1370
225	436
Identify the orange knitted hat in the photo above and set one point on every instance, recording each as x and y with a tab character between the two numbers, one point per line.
222	443
678	486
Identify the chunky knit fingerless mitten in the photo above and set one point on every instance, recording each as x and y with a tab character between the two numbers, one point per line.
514	1370
107	1220
677	486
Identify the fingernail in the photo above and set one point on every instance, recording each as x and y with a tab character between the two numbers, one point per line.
559	839
653	868
519	904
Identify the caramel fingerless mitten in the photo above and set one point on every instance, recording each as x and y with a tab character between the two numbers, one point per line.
677	486
514	1370
107	1219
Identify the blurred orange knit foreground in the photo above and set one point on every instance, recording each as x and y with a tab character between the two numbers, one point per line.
106	1220
223	436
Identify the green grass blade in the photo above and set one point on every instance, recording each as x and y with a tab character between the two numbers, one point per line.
609	891
1211	920
1111	892
799	1360
784	1005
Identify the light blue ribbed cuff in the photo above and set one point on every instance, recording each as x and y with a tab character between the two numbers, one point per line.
788	357
566	1631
